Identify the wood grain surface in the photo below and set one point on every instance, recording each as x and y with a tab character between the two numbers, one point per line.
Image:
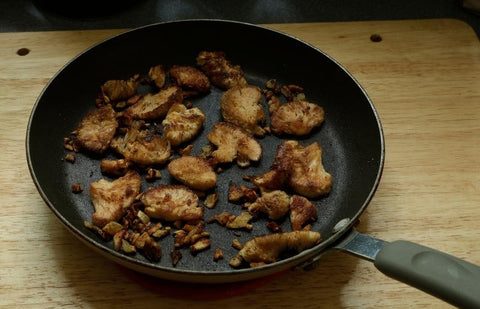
424	79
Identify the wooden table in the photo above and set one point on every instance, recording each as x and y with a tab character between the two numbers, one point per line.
423	77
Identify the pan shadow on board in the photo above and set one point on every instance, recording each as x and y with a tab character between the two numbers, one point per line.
98	282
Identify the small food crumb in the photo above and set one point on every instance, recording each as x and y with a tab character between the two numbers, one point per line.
161	233
200	245
176	256
70	158
236	261
77	187
274	227
127	247
218	255
186	151
153	174
211	200
237	244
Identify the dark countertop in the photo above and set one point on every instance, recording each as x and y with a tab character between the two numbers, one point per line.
44	15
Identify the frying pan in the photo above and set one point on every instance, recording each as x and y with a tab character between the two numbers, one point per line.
351	138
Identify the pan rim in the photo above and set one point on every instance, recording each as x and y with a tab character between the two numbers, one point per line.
304	255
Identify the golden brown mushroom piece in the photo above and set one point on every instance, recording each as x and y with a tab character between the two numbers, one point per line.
266	249
233	143
221	72
193	172
158	75
241	106
275	204
301	212
142	146
171	203
307	174
97	129
111	198
296	118
298	167
118	90
182	124
191	80
154	106
117	167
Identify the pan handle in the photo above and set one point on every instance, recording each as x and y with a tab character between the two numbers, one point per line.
442	275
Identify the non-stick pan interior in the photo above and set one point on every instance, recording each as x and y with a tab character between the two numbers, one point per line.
351	135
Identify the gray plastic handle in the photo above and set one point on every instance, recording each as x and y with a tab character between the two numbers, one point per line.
444	276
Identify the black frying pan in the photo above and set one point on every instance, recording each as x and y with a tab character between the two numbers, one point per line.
351	138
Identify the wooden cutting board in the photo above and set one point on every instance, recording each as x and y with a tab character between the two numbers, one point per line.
423	77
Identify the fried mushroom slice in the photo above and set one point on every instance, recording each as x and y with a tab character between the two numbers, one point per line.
301	212
154	106
297	167
97	129
241	106
221	72
111	198
115	167
158	75
307	174
118	90
191	80
274	179
266	249
182	124
275	204
296	118
142	146
233	143
171	203
193	172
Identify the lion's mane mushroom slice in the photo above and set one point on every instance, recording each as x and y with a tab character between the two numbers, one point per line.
298	167
193	172
274	179
142	146
171	203
182	124
307	174
274	204
111	198
191	80
154	106
221	72
116	167
301	212
241	106
119	90
97	129
266	249
296	118
233	143
158	75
